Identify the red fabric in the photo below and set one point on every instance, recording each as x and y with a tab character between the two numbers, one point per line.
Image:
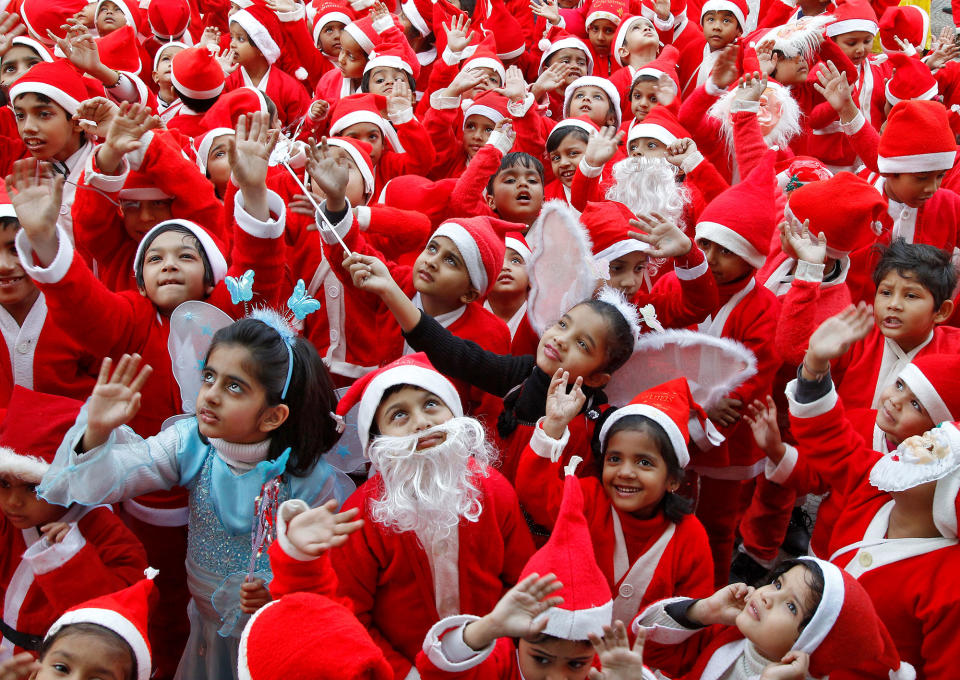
500	665
288	93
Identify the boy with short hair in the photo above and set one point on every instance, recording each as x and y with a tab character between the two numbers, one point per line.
722	23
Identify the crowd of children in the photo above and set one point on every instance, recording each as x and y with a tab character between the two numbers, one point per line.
401	339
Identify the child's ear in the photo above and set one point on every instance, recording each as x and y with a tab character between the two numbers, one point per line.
673	484
623	52
491	204
598	379
208	289
946	309
274	417
470	296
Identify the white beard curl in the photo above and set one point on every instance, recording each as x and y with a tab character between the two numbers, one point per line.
785	130
648	185
429	491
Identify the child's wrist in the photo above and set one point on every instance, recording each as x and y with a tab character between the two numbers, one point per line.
478	635
814	366
554	426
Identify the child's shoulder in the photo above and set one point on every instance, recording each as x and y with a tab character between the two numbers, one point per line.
483	327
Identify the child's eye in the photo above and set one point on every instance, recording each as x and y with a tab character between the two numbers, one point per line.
207	377
916	404
581	344
4	484
776	583
398	415
542	660
576	664
613	459
153	258
793	608
562	323
235	387
450	261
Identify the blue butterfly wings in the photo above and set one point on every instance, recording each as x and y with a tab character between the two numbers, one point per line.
301	303
241	289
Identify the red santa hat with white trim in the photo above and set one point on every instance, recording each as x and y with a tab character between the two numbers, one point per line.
57	80
364	108
853	15
420	15
168	19
608	223
396	54
489	104
917	138
660	124
41	16
33	429
612	10
130	11
800	170
195	73
327	11
26	41
580	122
359	152
516	242
664	69
935	380
907	22
6	205
141	187
233	104
205	143
218	263
737	8
742	218
480	246
593	81
120	50
125	612
621	37
911	80
484	55
365	34
330	643
563	41
507	32
414	370
854	227
587	603
263	28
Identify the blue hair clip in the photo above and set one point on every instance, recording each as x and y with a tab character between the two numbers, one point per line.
241	289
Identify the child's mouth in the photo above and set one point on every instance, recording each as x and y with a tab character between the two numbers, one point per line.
10	281
892	322
424	276
523	197
430	441
551	352
626	490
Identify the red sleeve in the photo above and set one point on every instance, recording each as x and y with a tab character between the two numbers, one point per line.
539	487
304	51
801	311
441	127
584	189
98	228
418	152
756	330
291	575
747	141
397	232
693	116
686	296
467	196
706	178
866	144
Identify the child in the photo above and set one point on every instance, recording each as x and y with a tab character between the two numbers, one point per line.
442	531
595	98
257	419
23	54
162	77
213	157
565	148
722	23
811	619
645	540
197	81
53	557
649	87
507	298
565	59
602	23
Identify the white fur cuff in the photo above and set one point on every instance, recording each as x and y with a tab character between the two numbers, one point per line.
546	446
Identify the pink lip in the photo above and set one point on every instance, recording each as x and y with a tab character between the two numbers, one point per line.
431	441
551	352
425	276
207	416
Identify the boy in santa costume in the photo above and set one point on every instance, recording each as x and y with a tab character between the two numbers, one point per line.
507	299
197	81
722	22
52	557
442	533
162	72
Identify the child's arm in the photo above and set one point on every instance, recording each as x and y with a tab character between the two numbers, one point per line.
833	86
618	660
20	667
748	141
467	196
602	146
418	154
696	169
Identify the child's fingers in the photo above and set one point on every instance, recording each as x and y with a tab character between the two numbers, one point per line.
640	641
141	379
346	515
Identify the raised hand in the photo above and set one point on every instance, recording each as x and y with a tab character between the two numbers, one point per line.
96	115
834	337
505	128
130	123
369	274
319	109
250	154
401	98
722	607
793	666
548	9
562	406
751	87
833	86
662	8
766	431
464	81
725	67
281	6
210	36
80	48
10	28
228	61
551	79
665	238
36	193
602	146
379	11
515	615
514	86
55	532
328	172
20	667
944	50
807	246
618	661
317	530
680	150
458	33
115	398
768	63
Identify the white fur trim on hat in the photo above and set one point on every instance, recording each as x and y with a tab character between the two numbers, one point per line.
35	45
218	263
723	6
119	624
326	19
577	624
594	16
732	241
24	468
359	161
929	94
163	48
574	122
143	194
407	374
927	394
660	418
831	602
565	43
487	62
481	110
514	53
390	60
361	116
621	37
357	34
621	248
469	251
195	94
208	139
410	11
851	25
243	668
259	34
651	130
22	87
593	81
521	249
921	162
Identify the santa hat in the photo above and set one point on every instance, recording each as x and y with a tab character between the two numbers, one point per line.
564	41
660	124
330	643
206	143
57	80
396	54
580	122
608	223
587	604
416	192
516	242
120	50
359	152
908	22
124	612
800	37
917	138
935	380
32	431
263	28
671	406
621	36
6	205
231	105
611	10
420	15
846	230
130	11
738	8
168	19
218	263
328	11
480	247
853	15
484	56
196	73
911	79
595	81
800	170
363	32
742	218
489	104
158	55
664	69
26	41
41	16
141	187
364	108
507	32
414	370
845	632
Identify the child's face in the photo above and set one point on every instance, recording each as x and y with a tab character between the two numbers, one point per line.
382	79
904	311
726	266
161	76
439	271
139	217
640	36
575	60
110	18
720	28
46	128
411	410
17	61
244	51
643	97
553	658
591	101
601	34
912	188
352	58
773	614
626	273
232	403
173	271
855	44
329	40
576	343
16	288
369	133
22	507
566	157
491	80
476	132
513	279
792	71
82	656
635	476
901	414
85	15
517	194
648	147
218	163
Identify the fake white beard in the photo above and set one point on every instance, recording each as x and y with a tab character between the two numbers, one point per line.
786	128
647	185
429	491
918	460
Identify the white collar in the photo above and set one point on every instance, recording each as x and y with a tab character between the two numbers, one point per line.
241	456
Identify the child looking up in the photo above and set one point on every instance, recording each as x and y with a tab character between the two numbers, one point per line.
508	296
565	148
162	69
722	23
595	98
